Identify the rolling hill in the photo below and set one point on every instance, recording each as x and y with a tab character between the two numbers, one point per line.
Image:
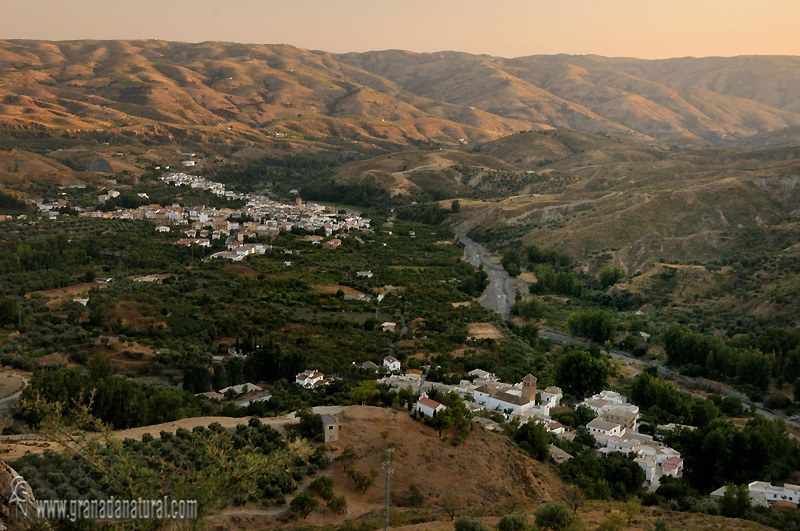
227	96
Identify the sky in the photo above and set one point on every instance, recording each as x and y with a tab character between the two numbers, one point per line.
648	29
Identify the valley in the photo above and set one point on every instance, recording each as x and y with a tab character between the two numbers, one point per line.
212	254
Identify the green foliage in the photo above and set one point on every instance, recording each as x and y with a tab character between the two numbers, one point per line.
610	276
719	453
597	325
580	416
323	486
11	205
735	503
427	213
580	374
464	523
534	439
550	281
553	515
338	505
362	481
512	522
304	503
604	478
415	496
528	309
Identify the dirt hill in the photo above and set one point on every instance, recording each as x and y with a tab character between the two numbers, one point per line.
226	95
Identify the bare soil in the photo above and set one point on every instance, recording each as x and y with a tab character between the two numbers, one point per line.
484	331
61	296
330	289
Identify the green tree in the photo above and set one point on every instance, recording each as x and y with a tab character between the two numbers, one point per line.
464	523
597	325
534	439
581	374
553	515
735	502
338	505
512	522
304	503
450	506
610	276
347	457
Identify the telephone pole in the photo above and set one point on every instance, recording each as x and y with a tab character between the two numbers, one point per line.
388	466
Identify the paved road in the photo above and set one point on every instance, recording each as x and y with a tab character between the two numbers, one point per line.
499	296
664	371
9	401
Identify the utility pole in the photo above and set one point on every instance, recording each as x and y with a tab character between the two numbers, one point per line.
388	466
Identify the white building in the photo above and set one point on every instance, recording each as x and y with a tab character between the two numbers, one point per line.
310	379
551	396
391	363
508	398
598	427
429	407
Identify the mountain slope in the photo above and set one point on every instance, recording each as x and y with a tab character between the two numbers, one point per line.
226	96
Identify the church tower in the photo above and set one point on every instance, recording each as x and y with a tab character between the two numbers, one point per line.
529	388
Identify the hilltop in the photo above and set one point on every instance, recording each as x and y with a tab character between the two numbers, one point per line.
226	96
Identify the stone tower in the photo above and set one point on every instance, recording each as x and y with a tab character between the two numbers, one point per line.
529	388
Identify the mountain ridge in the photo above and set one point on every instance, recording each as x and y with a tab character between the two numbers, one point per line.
229	95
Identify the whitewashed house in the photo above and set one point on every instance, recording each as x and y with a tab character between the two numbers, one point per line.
310	379
429	407
391	363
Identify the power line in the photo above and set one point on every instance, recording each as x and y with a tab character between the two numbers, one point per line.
388	466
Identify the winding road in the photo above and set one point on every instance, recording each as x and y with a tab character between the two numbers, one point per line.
499	296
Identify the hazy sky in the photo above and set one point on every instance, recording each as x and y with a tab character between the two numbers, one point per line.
509	28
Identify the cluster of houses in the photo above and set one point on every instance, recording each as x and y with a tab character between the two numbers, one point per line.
614	428
271	216
764	494
209	223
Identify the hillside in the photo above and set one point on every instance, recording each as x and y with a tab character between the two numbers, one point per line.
226	96
699	98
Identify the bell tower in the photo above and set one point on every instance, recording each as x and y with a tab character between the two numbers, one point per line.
529	388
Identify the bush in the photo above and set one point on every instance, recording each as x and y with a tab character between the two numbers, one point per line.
464	523
553	515
512	522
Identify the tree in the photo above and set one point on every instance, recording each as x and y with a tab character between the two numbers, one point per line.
322	485
596	325
450	506
735	502
581	374
553	515
464	523
632	508
415	497
610	276
347	457
455	206
512	522
338	505
533	438
574	498
304	503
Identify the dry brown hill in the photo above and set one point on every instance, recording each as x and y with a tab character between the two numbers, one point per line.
226	96
718	100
